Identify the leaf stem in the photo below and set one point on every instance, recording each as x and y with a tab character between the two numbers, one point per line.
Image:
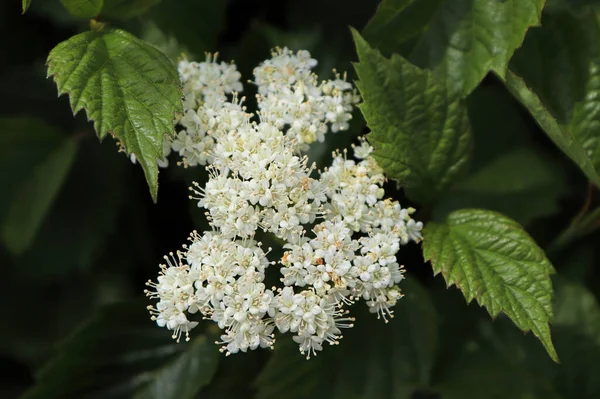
97	26
582	224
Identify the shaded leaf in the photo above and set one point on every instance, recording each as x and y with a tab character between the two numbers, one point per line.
76	232
576	6
576	334
120	353
83	8
468	38
195	24
462	39
33	190
521	184
508	173
577	337
127	87
498	123
125	9
420	133
373	360
577	307
186	375
28	94
556	76
59	15
396	22
235	375
483	373
490	258
25	5
164	42
557	132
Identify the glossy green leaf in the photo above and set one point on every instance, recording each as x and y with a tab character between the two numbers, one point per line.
83	8
522	184
120	353
398	21
421	133
560	134
25	5
490	258
462	39
468	38
125	9
126	86
373	360
33	190
556	76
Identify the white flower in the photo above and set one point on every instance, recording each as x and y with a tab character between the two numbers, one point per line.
413	229
175	291
291	95
340	236
315	319
363	150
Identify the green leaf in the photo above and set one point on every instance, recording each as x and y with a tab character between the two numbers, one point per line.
556	76
577	336
462	39
25	5
468	38
498	123
83	8
509	174
490	258
575	6
521	184
120	353
125	9
373	360
558	133
126	86
184	377
33	190
59	15
396	22
164	42
483	373
577	307
195	24
235	376
421	133
99	187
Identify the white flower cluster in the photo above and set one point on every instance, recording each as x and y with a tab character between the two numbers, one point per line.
341	237
289	93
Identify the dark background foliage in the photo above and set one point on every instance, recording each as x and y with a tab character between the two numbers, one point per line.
102	236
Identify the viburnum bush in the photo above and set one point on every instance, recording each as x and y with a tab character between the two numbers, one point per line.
315	180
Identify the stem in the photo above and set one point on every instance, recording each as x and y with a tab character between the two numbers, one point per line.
579	227
583	223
